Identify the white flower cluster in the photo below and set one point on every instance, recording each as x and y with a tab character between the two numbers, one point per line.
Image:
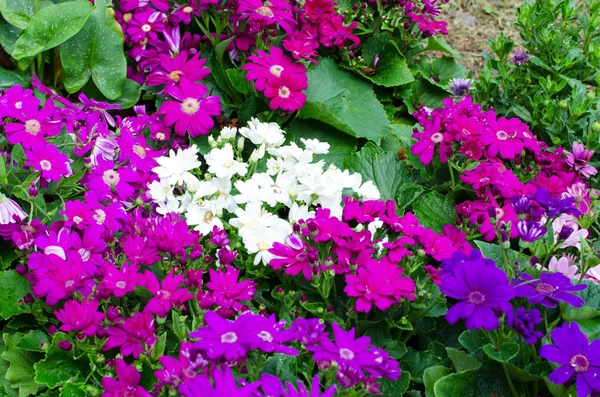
232	191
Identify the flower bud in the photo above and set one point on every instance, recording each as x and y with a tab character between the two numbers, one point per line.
240	144
65	345
563	104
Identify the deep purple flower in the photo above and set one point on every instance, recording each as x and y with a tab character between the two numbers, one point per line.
523	323
483	291
519	57
309	331
272	387
126	384
550	289
224	386
577	358
460	87
530	231
521	204
555	206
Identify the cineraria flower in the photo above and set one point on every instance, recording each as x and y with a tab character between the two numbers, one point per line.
334	33
126	384
530	231
82	316
176	168
579	159
523	323
133	336
59	277
172	70
227	291
285	92
425	146
482	289
48	160
167	296
562	265
460	87
519	57
107	182
192	109
505	136
555	206
296	256
577	358
263	66
136	150
224	386
117	282
258	132
222	163
272	387
309	332
550	289
145	25
34	124
10	211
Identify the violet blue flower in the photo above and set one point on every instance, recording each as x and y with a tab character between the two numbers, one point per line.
530	231
550	289
523	323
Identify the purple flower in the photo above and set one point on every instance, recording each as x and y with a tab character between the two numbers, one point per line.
521	204
551	288
483	291
530	231
295	256
126	383
82	316
578	160
460	87
167	296
577	358
272	336
555	206
309	332
523	323
519	57
224	386
133	336
272	387
175	371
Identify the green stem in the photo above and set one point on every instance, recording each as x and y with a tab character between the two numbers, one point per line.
513	390
451	175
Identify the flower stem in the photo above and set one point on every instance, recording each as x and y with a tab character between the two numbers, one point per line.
451	175
509	380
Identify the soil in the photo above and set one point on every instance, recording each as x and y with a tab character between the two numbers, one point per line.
471	23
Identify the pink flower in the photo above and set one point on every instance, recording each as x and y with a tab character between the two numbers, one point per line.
126	384
264	66
429	27
118	283
107	216
285	92
82	316
504	137
133	336
136	150
172	70
334	33
578	160
167	296
319	10
145	25
48	160
431	136
58	278
295	256
267	14
184	13
35	124
191	111
563	266
227	291
301	49
108	182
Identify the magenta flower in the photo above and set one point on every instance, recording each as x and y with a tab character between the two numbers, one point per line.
184	13
135	149
107	216
223	385
167	296
176	371
429	27
172	70
222	338
295	256
267	14
272	336
504	137
285	92
431	136
309	331
133	336
34	124
78	214
109	182
334	33
140	250
119	283
82	316
577	358
192	110
126	384
145	25
579	159
227	291
58	278
263	66
48	160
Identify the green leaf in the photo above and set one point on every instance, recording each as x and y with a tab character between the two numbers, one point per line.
507	351
407	194
96	51
395	388
283	366
444	69
72	390
32	341
10	78
340	144
375	45
340	99
461	384
159	348
432	375
237	77
60	367
473	340
494	252
129	97
462	361
435	211
12	289
20	373
51	26
8	36
419	361
19	12
383	168
392	70
18	154
436	43
4	383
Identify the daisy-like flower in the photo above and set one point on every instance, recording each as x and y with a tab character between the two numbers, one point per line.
136	150
267	13
563	266
132	336
549	290
166	295
263	66
33	125
204	217
145	25
126	384
577	358
175	169
224	386
113	181
222	163
172	70
285	92
82	316
261	240
192	109
258	133
48	160
10	211
334	33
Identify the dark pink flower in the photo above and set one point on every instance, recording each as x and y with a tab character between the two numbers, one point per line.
133	336
126	384
267	14
172	70
226	290
334	33
118	283
145	25
295	256
34	124
48	160
579	159
110	182
264	66
167	295
82	316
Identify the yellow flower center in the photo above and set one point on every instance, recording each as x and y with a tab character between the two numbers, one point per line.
175	75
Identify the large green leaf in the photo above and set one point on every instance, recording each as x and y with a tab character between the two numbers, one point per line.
19	12
506	352
96	51
8	36
60	367
432	375
12	289
391	70
460	384
462	361
5	388
10	78
32	341
340	144
339	98
52	26
20	373
435	211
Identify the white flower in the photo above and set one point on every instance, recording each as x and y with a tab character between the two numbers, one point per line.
268	133
160	190
8	208
249	190
222	163
276	191
260	241
316	146
204	217
228	132
298	212
252	218
368	191
177	165
171	204
223	197
257	154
